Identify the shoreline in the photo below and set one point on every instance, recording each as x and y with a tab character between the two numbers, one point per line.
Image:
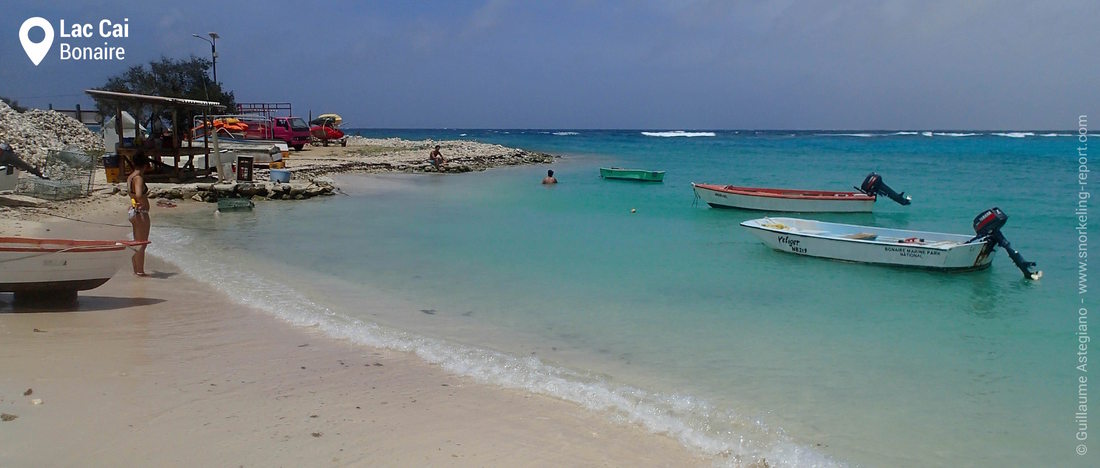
309	174
148	371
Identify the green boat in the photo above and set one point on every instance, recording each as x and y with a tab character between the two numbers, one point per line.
235	204
632	174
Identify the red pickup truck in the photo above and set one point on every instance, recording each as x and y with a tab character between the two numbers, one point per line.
293	130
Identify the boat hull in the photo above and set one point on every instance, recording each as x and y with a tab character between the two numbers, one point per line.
784	200
42	265
888	247
632	174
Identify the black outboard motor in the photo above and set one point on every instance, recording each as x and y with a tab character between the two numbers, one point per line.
873	185
988	225
8	158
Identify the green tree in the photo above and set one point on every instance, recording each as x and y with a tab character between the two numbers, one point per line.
186	78
13	104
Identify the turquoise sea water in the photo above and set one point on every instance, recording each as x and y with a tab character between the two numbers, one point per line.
673	316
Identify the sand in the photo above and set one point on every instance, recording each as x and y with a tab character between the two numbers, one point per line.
162	371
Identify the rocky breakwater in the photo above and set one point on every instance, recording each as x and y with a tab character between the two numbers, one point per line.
211	192
398	155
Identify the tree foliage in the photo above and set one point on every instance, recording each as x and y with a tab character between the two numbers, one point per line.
186	78
13	104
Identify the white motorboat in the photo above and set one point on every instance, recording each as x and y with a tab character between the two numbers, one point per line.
55	269
867	244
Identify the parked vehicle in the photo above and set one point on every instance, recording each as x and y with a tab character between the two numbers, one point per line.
278	123
293	130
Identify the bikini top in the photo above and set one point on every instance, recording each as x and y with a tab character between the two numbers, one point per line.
144	189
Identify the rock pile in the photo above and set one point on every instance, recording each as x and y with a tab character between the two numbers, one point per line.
210	192
33	133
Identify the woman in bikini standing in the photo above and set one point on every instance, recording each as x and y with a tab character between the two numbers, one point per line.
139	209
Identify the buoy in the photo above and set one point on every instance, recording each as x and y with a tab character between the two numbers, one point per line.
632	210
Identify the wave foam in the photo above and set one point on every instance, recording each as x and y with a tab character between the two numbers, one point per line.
741	441
860	135
678	133
1015	134
904	133
927	134
566	133
954	134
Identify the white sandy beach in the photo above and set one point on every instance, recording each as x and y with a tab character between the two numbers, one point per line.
162	371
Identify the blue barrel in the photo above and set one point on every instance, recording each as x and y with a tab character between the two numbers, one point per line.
280	175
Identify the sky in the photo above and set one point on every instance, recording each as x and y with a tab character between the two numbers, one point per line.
583	64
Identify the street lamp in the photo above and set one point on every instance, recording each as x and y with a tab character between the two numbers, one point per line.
213	50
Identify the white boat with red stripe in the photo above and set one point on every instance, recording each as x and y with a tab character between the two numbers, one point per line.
798	201
55	269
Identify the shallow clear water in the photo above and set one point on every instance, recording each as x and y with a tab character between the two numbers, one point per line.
675	317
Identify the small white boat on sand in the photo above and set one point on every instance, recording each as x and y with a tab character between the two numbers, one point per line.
53	270
799	201
867	244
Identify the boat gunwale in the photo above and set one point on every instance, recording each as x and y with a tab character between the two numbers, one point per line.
753	224
45	245
622	169
792	194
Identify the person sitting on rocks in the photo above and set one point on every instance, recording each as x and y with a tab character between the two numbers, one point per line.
437	158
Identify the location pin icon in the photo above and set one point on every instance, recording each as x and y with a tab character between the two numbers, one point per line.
36	50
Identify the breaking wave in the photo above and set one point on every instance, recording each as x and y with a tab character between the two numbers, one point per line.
741	441
954	134
678	133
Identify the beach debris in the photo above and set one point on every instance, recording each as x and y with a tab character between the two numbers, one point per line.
7	417
36	401
303	345
39	331
317	434
28	392
428	311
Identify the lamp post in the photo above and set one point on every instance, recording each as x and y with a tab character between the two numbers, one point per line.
213	50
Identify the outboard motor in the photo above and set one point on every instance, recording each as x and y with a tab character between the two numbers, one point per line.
873	185
988	226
